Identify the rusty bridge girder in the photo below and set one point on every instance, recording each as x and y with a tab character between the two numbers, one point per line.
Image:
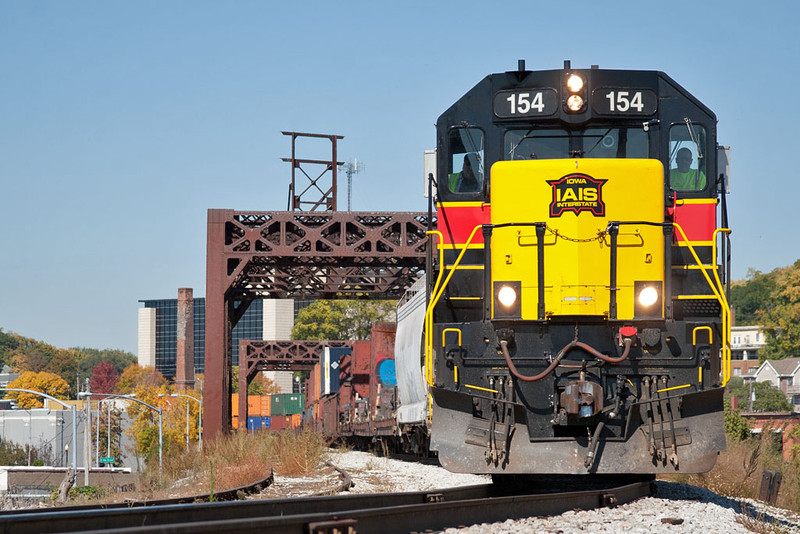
257	355
307	255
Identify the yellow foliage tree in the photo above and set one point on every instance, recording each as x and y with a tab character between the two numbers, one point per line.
135	376
48	383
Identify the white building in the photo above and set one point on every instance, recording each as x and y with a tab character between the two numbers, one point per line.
746	341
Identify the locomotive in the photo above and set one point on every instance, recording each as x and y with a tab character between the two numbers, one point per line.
577	319
573	318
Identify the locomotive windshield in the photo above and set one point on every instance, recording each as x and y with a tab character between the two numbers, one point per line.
687	162
466	171
611	142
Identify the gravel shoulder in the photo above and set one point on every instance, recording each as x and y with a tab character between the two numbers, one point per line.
675	508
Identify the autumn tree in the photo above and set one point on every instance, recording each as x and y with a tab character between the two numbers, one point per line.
109	418
143	429
44	382
781	318
260	385
135	375
104	378
341	319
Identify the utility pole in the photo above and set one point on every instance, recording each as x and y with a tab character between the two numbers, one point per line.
87	438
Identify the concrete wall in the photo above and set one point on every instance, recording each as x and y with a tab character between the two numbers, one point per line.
41	480
50	427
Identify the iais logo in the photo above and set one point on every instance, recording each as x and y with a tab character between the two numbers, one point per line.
577	192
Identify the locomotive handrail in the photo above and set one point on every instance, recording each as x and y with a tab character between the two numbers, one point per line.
435	295
718	293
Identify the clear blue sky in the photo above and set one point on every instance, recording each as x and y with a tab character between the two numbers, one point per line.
122	123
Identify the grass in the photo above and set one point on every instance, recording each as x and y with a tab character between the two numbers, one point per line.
232	461
738	471
737	475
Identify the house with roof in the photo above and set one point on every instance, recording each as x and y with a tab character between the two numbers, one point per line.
783	374
746	342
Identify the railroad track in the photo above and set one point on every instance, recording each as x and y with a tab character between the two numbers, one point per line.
342	514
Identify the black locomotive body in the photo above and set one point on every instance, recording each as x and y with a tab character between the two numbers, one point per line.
577	319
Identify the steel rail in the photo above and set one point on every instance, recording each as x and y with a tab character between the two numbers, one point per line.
225	495
384	513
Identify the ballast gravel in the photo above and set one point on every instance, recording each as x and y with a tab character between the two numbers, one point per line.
675	508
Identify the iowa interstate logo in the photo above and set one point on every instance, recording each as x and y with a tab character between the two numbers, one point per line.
577	192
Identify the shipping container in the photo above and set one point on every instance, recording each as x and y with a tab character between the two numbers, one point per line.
280	422
360	367
253	405
266	421
288	403
297	420
235	404
331	357
258	404
253	423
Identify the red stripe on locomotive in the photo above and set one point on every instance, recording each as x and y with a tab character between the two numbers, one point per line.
698	220
456	220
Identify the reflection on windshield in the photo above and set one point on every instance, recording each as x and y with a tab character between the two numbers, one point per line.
536	144
614	142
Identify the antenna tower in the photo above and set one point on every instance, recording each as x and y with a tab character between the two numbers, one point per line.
350	169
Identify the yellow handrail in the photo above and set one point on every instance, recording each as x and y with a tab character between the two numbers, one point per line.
720	296
438	290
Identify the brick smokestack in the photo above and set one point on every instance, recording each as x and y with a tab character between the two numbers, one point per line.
184	364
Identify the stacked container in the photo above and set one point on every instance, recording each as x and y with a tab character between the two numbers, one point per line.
287	403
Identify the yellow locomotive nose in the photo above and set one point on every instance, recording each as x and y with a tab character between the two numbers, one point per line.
576	200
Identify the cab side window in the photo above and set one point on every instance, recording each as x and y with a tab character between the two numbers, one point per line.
687	158
466	172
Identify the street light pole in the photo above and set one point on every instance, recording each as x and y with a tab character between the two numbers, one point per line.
74	425
160	420
199	417
97	436
108	449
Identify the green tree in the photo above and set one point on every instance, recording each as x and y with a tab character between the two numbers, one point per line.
736	426
8	344
12	453
751	296
91	357
341	319
768	398
781	318
322	319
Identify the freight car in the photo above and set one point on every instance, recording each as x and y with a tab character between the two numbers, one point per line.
574	317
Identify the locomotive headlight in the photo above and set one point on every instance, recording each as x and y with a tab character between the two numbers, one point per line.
647	299
507	301
575	103
648	296
574	83
507	296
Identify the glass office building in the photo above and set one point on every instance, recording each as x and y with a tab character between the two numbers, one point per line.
158	329
163	339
